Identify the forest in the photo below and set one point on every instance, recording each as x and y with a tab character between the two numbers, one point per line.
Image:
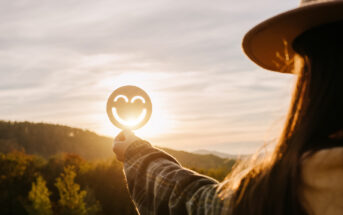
54	169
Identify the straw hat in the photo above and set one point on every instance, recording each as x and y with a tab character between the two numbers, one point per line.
269	44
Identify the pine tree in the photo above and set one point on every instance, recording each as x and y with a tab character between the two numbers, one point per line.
39	198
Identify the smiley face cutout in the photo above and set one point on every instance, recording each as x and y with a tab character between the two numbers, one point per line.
129	107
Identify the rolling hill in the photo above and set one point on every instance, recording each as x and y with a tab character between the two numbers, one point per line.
29	150
47	140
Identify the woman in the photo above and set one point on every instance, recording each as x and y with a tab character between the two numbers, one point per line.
304	174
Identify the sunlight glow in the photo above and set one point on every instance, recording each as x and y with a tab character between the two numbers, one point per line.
160	122
131	122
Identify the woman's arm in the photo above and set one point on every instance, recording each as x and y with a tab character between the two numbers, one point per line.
159	185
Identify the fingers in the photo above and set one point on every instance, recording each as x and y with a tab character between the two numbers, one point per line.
118	150
124	135
120	137
122	142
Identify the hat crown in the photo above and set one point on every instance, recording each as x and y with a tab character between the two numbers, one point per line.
306	2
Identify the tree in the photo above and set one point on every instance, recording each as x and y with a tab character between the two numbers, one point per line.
39	198
72	198
17	172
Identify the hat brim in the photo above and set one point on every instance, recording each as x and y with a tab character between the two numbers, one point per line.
269	44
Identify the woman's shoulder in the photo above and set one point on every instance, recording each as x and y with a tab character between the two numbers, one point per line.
322	187
324	158
322	166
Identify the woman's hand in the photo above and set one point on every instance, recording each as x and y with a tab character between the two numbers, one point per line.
122	142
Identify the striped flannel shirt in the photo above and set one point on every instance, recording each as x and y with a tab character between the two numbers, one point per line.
158	184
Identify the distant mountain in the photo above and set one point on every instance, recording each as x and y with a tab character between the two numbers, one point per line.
206	161
219	154
47	140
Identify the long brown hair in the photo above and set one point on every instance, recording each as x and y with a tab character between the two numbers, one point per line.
315	115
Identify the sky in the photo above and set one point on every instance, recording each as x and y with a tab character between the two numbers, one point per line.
60	61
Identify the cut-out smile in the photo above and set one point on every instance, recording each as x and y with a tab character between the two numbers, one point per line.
131	122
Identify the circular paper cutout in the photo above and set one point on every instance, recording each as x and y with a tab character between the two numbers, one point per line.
129	107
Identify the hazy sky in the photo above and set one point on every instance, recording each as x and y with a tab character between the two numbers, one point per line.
60	60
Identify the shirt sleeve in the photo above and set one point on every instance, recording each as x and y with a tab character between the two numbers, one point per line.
159	185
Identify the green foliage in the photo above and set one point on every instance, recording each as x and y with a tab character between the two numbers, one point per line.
72	198
210	165
89	187
107	181
47	140
102	182
39	198
17	172
218	174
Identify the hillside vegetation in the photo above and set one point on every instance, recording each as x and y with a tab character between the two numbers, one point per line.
47	140
53	169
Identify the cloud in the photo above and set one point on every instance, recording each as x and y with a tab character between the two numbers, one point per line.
59	60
